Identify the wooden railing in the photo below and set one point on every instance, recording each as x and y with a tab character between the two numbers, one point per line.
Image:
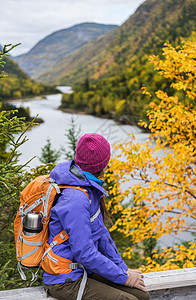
171	285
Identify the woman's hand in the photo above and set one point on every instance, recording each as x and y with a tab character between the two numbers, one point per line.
135	279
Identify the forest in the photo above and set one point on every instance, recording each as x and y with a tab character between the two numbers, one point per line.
17	84
114	78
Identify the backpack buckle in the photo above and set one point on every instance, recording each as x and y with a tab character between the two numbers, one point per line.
53	244
21	210
74	266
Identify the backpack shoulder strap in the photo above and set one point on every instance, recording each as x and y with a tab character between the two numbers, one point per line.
75	187
85	191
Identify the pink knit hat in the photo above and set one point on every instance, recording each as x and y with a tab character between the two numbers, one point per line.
92	152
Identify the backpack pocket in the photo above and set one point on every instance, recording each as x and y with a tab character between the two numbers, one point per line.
54	264
30	249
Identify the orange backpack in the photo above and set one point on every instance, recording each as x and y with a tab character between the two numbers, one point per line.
34	251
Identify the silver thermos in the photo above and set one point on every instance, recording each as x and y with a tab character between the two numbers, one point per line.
32	224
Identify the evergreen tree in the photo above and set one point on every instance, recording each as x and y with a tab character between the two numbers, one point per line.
48	155
73	134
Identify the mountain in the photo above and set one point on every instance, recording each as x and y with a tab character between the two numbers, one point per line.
79	64
107	75
57	45
18	84
145	32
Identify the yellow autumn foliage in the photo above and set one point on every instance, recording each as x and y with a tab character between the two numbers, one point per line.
162	189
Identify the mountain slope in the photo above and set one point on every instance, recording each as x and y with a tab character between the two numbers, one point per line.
18	84
57	45
154	23
79	64
117	73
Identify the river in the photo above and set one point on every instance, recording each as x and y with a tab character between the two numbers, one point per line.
56	123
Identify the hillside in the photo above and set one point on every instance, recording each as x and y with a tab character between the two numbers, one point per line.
80	64
145	32
18	84
110	80
55	46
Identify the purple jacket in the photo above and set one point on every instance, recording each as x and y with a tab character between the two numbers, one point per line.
90	244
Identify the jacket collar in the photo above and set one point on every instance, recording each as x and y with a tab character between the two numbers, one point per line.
93	178
75	170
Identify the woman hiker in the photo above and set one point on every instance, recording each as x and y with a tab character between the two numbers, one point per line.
97	269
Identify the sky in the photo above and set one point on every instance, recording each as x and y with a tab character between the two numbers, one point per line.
29	21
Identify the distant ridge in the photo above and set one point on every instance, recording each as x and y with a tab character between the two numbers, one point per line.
55	46
145	32
107	75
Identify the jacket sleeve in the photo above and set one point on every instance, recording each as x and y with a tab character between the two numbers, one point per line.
108	248
75	219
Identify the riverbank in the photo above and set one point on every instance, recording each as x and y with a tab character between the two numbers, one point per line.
123	120
68	106
72	111
120	120
30	98
25	99
21	111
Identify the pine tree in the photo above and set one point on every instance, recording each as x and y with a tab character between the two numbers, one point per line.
73	134
48	155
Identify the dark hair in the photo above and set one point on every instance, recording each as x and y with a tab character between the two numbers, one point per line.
97	174
104	211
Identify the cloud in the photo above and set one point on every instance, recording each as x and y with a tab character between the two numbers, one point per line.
30	21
